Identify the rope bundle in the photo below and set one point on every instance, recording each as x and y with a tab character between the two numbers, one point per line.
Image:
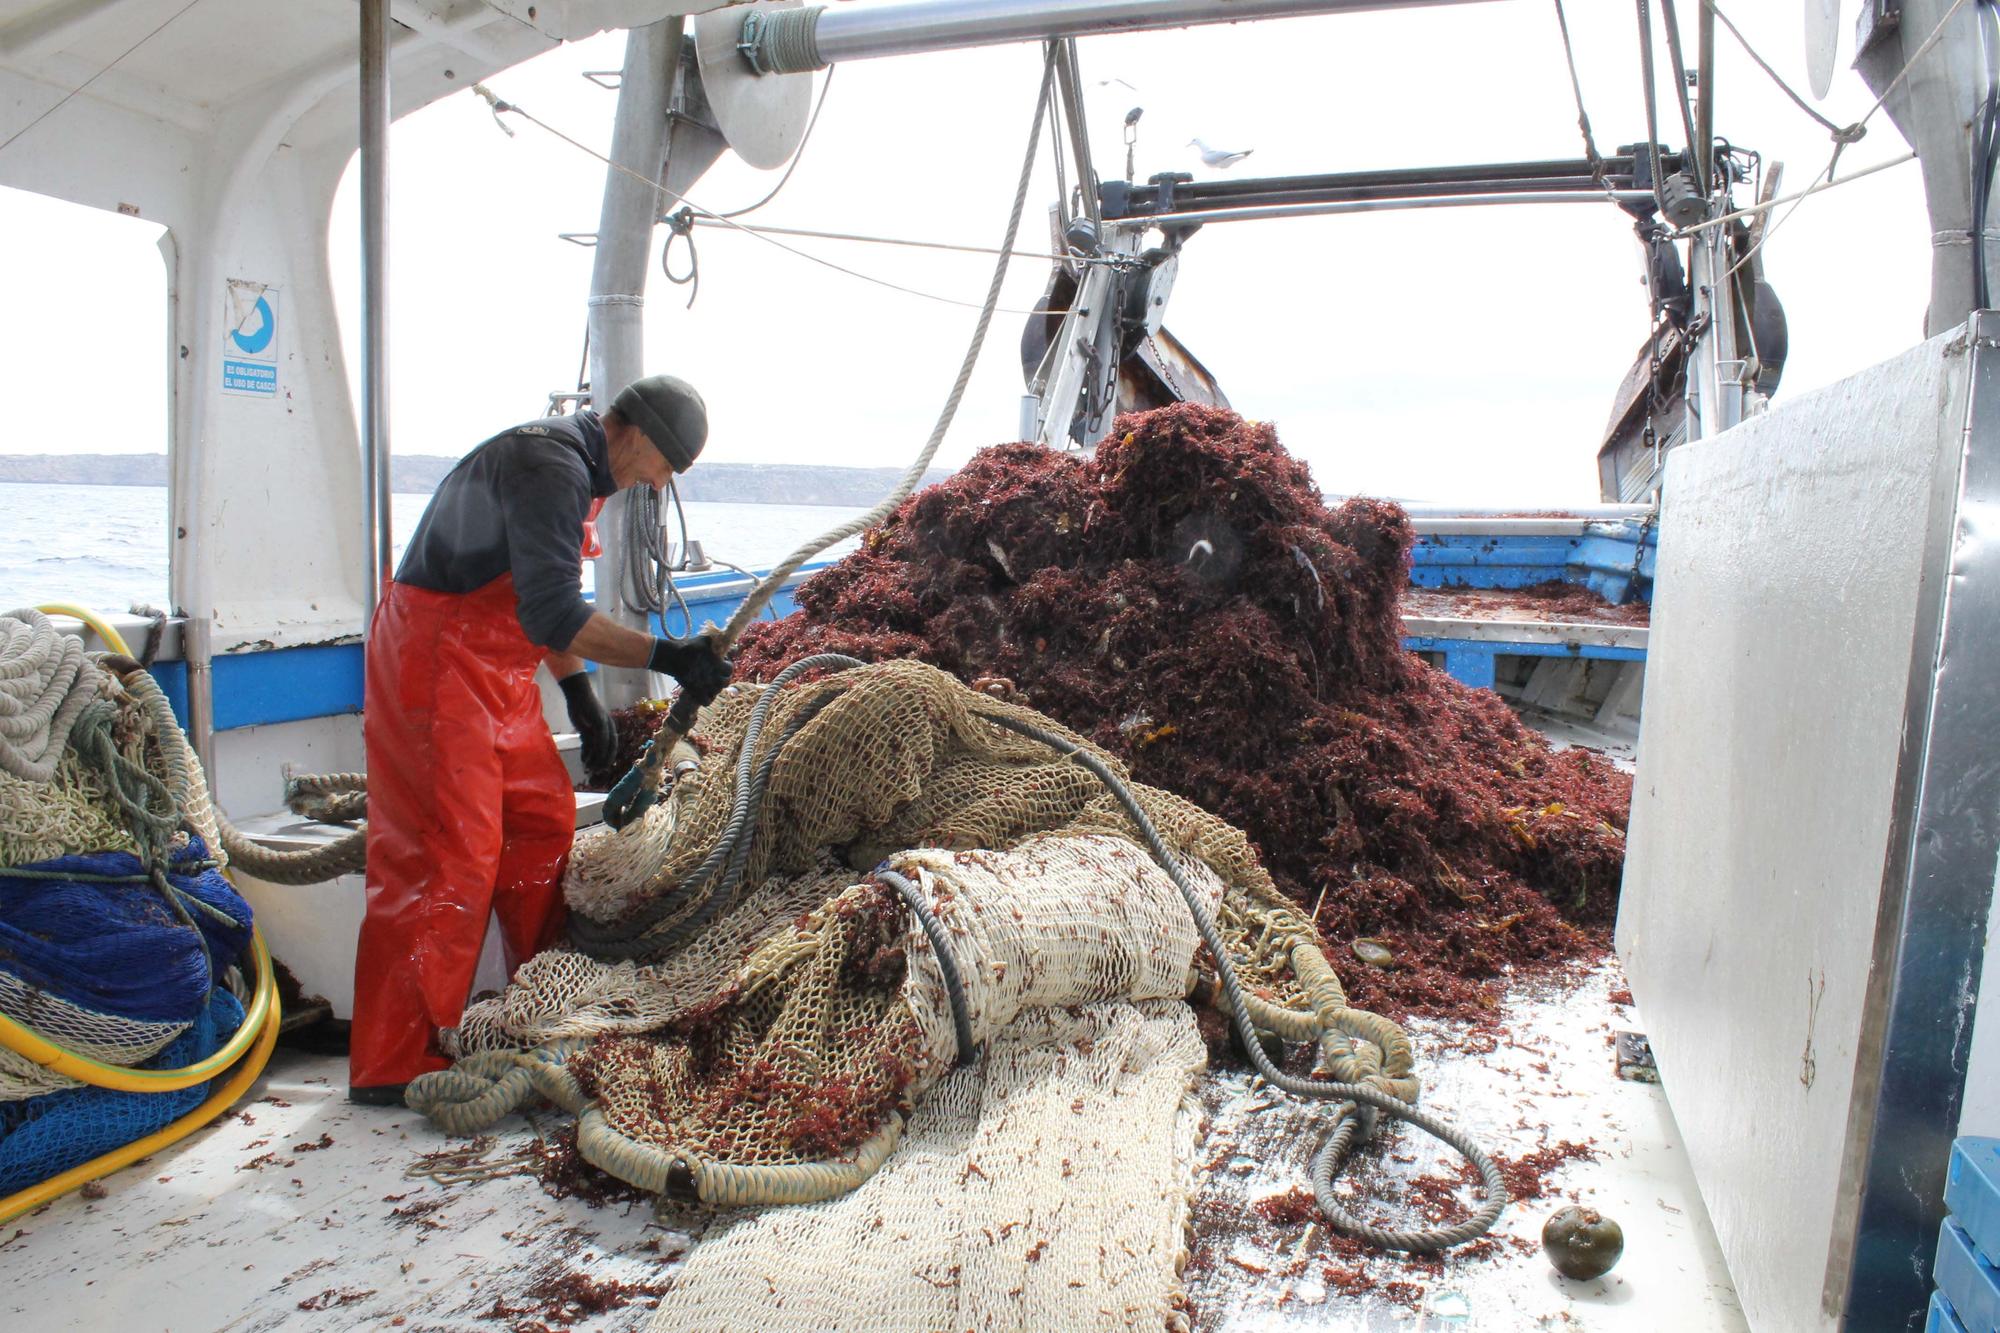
45	683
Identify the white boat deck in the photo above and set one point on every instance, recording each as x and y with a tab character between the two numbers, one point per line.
303	1212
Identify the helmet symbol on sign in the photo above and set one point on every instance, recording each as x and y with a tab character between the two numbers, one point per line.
257	341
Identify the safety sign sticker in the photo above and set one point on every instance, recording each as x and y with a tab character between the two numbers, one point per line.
250	339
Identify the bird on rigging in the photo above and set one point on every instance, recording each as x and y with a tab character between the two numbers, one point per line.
1219	157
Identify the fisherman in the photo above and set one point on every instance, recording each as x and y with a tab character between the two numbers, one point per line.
470	810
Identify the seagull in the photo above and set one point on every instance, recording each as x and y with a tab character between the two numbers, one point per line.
1217	157
1106	83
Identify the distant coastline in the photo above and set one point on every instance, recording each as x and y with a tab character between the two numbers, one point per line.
419	474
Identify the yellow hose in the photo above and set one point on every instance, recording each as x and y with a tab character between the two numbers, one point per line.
30	1045
112	638
218	1101
257	1034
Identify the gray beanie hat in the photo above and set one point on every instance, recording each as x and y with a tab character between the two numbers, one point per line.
671	414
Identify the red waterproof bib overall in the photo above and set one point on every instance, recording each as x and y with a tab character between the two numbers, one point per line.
470	812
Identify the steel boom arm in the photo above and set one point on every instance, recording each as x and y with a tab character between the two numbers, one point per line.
794	41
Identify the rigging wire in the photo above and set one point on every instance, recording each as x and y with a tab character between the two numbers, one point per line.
1652	98
1590	153
1775	77
500	104
1825	178
1983	146
681	223
797	157
64	99
1673	25
1755	210
702	221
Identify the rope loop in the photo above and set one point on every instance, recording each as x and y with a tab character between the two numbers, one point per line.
680	226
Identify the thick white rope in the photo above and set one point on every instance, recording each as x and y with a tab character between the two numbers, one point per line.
45	681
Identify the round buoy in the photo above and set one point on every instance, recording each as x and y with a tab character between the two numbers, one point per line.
1582	1243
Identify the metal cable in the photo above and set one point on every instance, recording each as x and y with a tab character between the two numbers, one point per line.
1349	1130
785	41
638	789
1358	1101
63	101
1590	152
1983	146
954	984
1673	24
1775	77
1652	111
500	104
624	938
797	157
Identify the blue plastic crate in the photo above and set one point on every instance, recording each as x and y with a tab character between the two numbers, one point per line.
1971	1284
1942	1319
1972	1192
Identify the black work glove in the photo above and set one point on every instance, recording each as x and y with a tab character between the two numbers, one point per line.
592	723
701	671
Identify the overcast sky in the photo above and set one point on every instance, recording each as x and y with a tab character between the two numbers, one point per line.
1463	355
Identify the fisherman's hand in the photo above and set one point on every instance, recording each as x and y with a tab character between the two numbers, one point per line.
595	726
695	663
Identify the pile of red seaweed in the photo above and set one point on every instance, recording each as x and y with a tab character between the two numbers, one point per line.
1188	600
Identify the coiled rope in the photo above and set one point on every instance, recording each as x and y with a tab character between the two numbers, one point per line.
46	682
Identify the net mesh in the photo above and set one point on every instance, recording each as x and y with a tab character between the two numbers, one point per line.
97	953
1043	1188
46	1135
797	1012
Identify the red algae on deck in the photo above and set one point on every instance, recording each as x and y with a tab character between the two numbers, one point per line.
1188	600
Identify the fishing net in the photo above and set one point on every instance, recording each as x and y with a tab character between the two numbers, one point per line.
98	956
801	1009
1043	1188
47	1135
117	929
1188	601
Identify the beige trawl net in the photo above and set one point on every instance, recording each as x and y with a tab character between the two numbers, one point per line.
767	1018
1044	1188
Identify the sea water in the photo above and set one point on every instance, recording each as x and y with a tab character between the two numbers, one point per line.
106	546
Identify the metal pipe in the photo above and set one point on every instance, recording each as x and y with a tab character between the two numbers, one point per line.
1704	110
1069	87
1935	103
374	293
792	41
199	650
1715	381
618	291
1545	174
1389	206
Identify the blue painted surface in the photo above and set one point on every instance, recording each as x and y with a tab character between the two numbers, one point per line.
1614	560
1972	1191
1943	1319
1472	666
1424	643
1474	662
708	604
293	684
283	685
1970	1284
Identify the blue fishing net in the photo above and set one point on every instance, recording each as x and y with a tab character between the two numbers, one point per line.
45	1136
94	931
